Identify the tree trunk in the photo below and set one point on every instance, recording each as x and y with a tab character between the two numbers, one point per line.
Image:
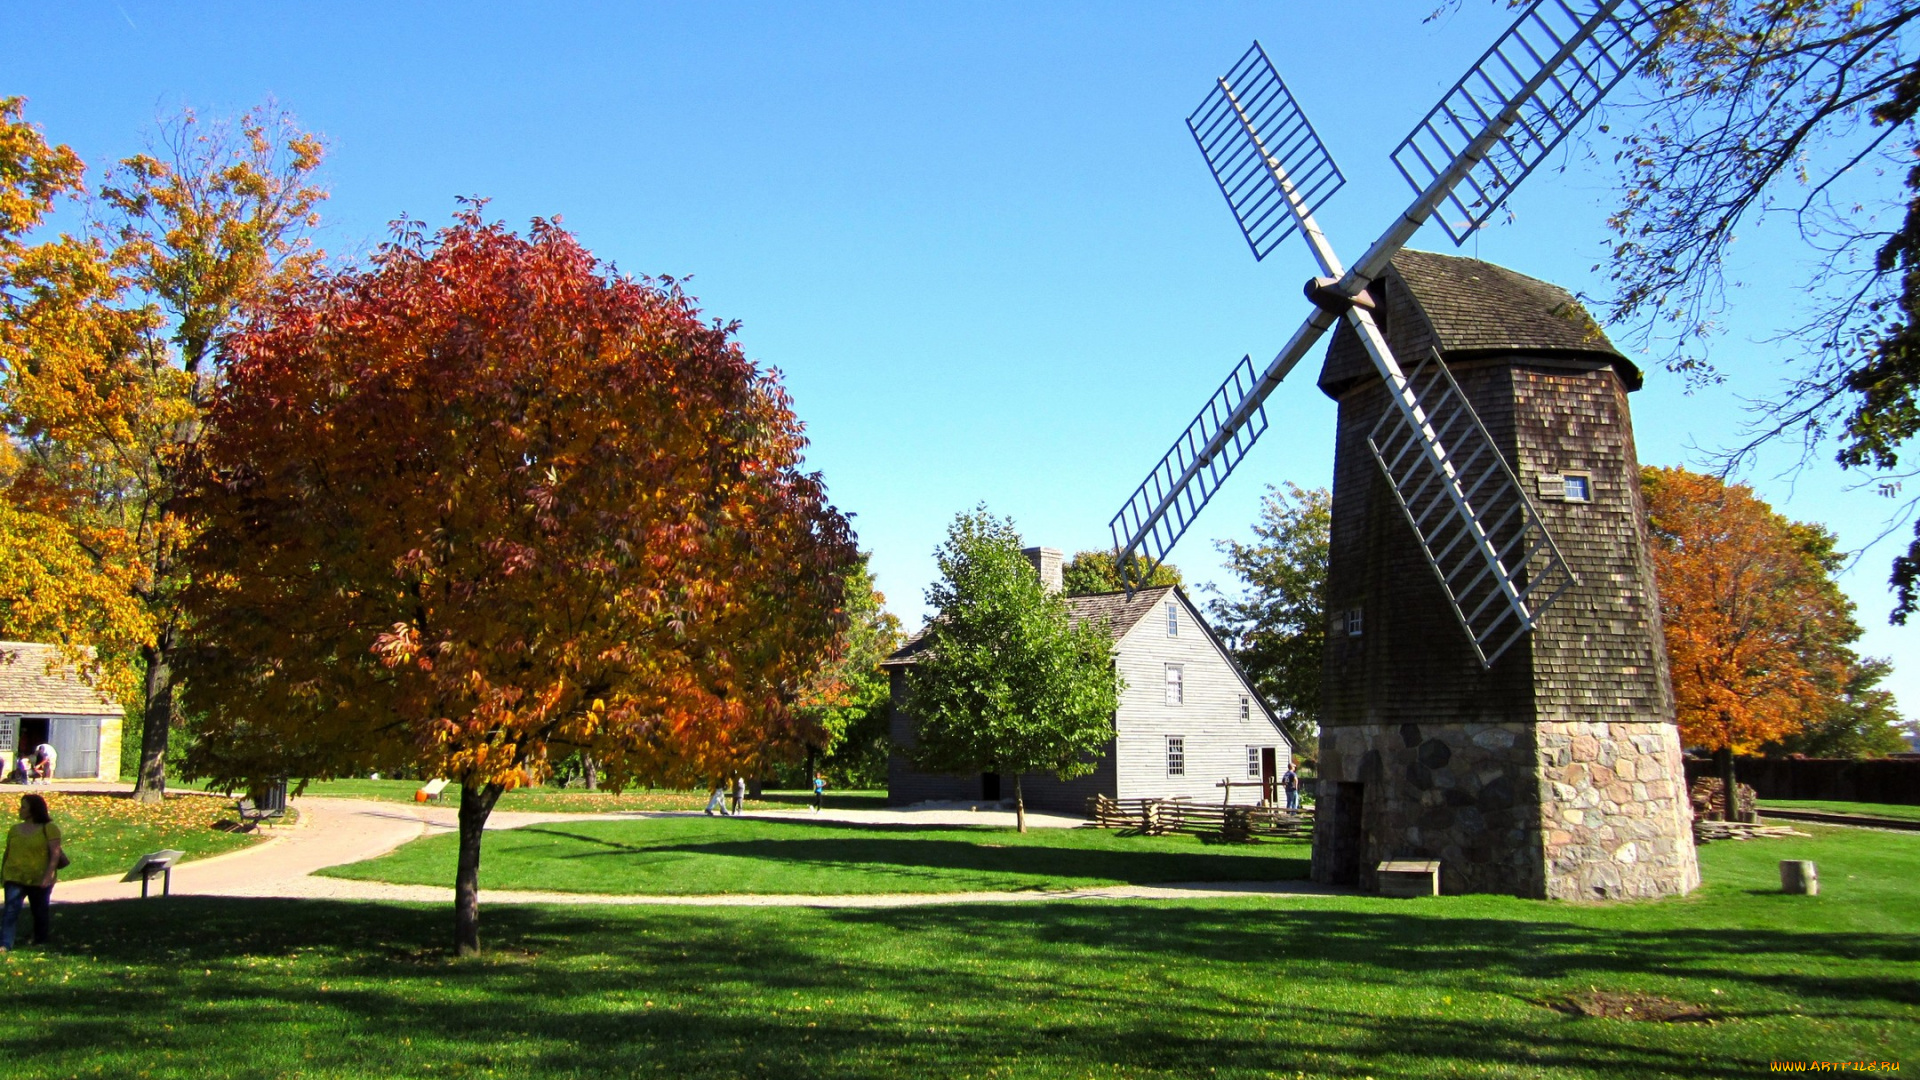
1729	787
156	720
590	772
1019	806
475	805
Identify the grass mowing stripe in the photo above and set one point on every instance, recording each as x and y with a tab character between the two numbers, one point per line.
694	855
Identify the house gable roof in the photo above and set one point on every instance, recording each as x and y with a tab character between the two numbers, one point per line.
1119	611
26	686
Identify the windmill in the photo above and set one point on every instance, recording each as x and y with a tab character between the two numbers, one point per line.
1479	531
1484	443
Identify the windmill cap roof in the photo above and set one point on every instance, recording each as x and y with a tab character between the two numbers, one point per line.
1479	309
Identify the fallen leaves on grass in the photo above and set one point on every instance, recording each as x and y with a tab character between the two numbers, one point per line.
75	810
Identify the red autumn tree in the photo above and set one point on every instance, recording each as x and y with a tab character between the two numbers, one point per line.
485	504
1756	627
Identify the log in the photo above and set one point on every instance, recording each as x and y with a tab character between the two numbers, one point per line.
1799	877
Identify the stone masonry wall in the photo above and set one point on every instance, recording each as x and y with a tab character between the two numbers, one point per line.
1466	794
1615	821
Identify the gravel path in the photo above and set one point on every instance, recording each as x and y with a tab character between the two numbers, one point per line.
332	832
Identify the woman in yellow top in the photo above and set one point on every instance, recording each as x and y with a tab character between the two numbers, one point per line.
28	868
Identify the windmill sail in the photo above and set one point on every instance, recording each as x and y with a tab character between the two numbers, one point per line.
1258	143
1478	530
1476	525
1509	111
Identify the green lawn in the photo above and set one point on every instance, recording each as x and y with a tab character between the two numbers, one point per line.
669	856
1874	809
104	833
1316	987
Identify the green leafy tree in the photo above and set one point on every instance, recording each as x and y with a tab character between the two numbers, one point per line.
1008	682
1090	572
1862	720
1277	624
850	704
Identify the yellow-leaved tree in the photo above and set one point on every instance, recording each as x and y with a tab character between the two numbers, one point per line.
110	347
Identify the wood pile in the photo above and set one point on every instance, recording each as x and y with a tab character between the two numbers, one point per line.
1156	817
1710	801
1706	830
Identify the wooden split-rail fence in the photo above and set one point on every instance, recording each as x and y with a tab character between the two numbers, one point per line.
1155	817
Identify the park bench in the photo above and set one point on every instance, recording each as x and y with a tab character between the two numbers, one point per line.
254	815
1409	877
432	792
159	862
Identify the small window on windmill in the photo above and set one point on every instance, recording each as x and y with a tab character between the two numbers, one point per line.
1577	487
1353	622
1173	619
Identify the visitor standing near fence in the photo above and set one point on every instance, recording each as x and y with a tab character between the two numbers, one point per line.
1290	783
32	859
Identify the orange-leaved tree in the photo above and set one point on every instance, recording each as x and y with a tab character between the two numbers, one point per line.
1756	628
484	504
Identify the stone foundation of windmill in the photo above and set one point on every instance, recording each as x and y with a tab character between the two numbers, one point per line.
1556	772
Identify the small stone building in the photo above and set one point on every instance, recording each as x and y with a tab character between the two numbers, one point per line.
1557	772
1188	716
43	700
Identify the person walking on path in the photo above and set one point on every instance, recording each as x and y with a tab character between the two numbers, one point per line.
28	868
819	792
1290	783
739	794
717	800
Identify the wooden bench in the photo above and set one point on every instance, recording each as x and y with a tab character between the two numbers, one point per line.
432	792
1408	877
253	815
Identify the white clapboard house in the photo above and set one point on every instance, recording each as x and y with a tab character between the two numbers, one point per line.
43	700
1188	717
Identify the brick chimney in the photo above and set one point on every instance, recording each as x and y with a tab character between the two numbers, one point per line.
1046	563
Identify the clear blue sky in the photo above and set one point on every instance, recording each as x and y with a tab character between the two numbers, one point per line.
976	238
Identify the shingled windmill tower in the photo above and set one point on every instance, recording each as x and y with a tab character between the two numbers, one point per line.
1492	699
1555	771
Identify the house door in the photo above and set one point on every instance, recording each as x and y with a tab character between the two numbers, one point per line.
32	732
76	741
1269	776
990	787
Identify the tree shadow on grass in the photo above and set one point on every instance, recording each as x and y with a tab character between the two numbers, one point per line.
953	864
254	987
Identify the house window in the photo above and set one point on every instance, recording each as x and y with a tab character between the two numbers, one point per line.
1246	708
1253	761
1577	487
1353	622
1176	685
1176	756
1173	620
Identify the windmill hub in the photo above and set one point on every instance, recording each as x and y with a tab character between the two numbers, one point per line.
1493	697
1324	293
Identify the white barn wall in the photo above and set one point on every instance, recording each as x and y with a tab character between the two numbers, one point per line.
1209	718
